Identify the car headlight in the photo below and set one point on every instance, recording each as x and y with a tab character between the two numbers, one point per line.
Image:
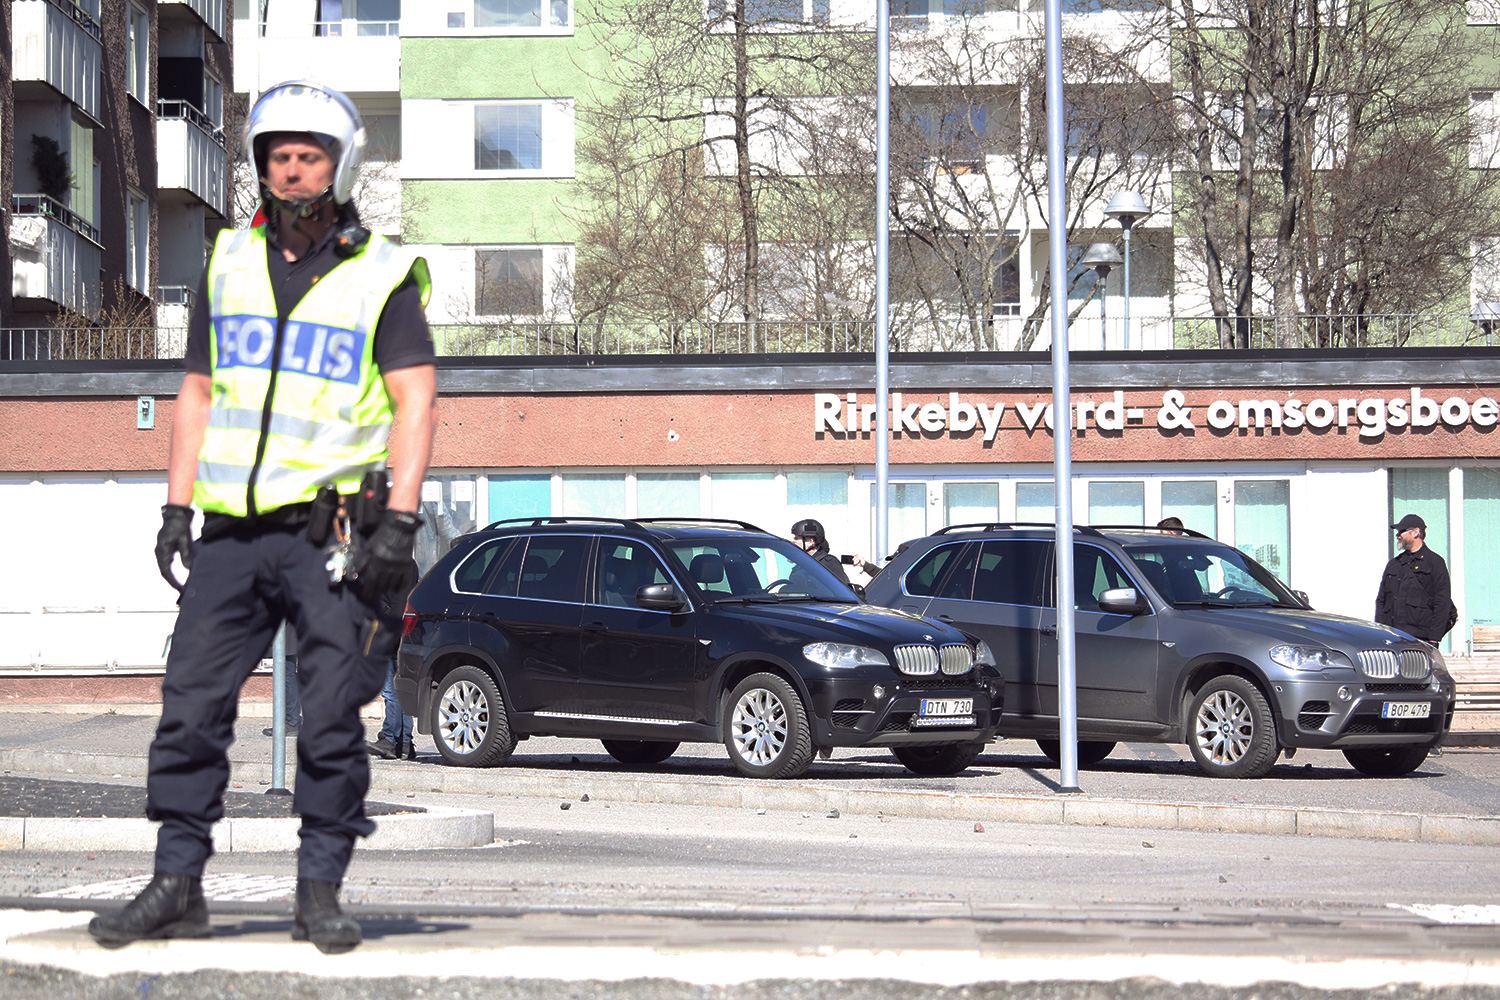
1309	657
984	656
838	656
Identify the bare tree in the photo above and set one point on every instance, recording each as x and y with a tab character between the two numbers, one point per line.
1344	128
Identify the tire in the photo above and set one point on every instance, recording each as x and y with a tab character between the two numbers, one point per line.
469	724
1089	751
639	751
1386	762
1231	731
765	728
950	758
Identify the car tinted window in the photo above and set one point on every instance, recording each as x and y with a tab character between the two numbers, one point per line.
552	569
1094	572
922	579
737	568
473	571
1205	572
623	567
1010	572
959	584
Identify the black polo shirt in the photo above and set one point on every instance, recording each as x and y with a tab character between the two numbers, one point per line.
402	337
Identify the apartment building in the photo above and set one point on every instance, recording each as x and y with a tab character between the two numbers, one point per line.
114	162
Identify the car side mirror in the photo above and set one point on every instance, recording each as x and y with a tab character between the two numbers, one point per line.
859	590
1301	595
660	597
1123	601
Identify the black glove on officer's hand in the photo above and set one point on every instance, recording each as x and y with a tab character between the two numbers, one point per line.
174	539
383	565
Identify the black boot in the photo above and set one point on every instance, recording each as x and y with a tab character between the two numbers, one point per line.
384	749
408	751
171	906
317	918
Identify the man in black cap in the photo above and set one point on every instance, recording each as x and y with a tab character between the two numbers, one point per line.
1414	590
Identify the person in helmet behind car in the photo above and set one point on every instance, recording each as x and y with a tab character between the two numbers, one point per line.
808	533
308	351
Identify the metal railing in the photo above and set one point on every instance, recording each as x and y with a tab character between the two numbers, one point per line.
81	17
45	205
478	340
362	29
175	295
186	111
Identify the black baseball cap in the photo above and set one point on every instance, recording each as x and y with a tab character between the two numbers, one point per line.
1409	521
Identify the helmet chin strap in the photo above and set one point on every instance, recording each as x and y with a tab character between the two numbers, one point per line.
296	209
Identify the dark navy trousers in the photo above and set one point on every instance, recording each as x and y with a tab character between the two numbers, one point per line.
242	585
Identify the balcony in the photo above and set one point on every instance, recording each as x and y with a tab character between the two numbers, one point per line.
56	43
191	155
207	11
362	57
55	255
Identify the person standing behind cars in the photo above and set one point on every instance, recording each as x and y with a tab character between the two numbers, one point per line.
307	350
808	533
1414	591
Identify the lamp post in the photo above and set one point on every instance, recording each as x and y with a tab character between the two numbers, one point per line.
1127	208
1102	257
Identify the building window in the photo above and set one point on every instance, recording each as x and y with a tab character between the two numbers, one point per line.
508	282
769	13
377	18
1194	502
508	137
667	494
138	55
137	242
1036	503
971	503
1484	122
517	14
520	496
593	494
1263	523
1117	502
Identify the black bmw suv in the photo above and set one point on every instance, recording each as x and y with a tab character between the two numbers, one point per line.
652	632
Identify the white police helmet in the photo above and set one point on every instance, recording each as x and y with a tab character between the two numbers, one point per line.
325	113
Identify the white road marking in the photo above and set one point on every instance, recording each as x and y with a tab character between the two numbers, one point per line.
241	888
1445	913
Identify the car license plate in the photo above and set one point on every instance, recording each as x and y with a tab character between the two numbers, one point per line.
946	706
1405	710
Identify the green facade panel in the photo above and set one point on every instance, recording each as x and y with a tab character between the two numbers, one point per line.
487	211
496	68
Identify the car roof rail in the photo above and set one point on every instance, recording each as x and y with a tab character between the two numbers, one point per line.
746	525
1082	529
1152	527
537	522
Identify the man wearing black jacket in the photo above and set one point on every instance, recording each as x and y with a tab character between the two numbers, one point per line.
1415	594
808	533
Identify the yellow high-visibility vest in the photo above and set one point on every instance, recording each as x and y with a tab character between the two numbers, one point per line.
284	422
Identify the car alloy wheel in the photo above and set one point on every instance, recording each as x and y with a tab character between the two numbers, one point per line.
1233	732
765	728
468	718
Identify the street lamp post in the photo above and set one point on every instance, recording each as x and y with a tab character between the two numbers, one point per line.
1127	208
1102	257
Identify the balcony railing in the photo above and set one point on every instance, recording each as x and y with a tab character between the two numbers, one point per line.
56	42
352	28
186	111
40	204
81	17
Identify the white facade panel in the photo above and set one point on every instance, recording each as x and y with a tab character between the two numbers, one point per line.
52	262
353	64
1341	537
51	47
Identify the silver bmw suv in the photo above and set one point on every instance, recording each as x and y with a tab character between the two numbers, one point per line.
1180	639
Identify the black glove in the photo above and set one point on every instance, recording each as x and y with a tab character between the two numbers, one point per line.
174	539
383	566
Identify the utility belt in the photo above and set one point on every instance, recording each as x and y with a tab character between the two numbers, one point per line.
362	510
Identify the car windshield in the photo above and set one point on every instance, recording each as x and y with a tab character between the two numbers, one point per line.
1209	575
751	569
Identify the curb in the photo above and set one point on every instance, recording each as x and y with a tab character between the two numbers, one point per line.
438	827
747	793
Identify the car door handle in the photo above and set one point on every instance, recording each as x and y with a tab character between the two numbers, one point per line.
944	618
596	627
1048	630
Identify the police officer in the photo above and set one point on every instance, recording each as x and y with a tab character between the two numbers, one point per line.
808	533
1414	590
307	346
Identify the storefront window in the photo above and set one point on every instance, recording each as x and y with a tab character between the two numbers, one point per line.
593	494
824	496
447	512
1117	503
1423	492
751	497
520	496
1481	584
907	517
1263	523
1036	502
667	494
1196	504
971	503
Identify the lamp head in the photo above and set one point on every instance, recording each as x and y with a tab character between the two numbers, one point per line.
1127	208
1101	257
